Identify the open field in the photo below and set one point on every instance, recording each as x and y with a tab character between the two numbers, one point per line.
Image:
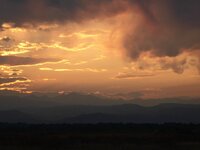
100	137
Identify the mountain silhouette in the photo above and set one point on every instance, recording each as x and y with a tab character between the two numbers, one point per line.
128	113
14	116
89	108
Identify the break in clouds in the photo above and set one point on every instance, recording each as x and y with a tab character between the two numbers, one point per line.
162	28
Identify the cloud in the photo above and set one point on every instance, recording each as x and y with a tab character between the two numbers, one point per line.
5	39
19	84
76	70
51	11
133	75
166	28
5	42
4	80
162	28
175	65
15	60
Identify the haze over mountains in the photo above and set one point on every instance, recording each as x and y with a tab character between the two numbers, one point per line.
12	100
89	108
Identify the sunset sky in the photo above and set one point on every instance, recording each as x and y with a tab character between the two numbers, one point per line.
101	46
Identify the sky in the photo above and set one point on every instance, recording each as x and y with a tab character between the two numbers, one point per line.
150	47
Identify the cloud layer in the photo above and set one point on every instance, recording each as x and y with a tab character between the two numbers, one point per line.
11	79
160	28
15	60
166	27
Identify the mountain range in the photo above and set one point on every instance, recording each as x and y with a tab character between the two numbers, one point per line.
87	108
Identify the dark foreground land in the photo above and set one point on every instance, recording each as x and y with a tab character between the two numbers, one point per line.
100	137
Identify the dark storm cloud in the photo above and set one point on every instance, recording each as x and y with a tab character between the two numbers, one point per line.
10	80
15	60
21	12
168	28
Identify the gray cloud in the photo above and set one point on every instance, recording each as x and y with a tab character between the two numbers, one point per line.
176	66
168	27
15	60
48	11
10	80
